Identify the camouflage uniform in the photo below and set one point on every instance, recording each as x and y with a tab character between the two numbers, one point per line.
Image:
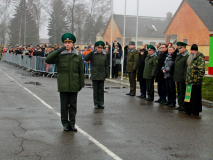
194	77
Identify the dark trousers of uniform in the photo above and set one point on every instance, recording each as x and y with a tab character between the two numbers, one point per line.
181	89
132	82
115	71
171	91
150	88
98	92
195	104
68	108
125	63
143	87
162	90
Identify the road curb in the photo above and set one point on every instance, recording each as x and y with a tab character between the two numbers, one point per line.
207	103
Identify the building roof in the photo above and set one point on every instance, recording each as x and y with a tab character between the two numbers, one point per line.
149	27
203	9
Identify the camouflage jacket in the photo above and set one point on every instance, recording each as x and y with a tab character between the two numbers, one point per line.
196	71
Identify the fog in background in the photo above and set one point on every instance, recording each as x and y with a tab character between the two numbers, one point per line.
85	12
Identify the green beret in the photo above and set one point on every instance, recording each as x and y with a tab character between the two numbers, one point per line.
149	47
181	44
99	44
68	37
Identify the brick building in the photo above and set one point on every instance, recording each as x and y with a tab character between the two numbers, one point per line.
192	23
150	29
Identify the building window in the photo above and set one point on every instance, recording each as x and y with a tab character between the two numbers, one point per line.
140	43
185	41
152	43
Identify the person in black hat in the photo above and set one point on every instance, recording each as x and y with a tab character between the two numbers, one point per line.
194	76
70	79
180	73
140	79
132	64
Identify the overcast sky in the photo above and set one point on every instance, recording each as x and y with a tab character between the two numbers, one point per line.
152	8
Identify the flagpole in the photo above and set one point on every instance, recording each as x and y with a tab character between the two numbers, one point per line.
124	39
137	25
111	42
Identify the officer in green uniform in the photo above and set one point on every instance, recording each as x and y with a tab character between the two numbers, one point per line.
99	72
70	79
149	71
132	64
180	73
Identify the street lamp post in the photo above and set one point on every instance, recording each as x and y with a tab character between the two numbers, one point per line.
25	22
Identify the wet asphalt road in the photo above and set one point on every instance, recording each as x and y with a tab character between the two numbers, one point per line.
131	128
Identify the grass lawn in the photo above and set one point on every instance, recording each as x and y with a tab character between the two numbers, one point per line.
207	88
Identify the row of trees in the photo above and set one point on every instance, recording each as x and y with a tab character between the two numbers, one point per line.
84	18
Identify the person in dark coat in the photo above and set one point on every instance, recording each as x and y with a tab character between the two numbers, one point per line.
125	59
180	73
140	79
115	56
168	70
160	76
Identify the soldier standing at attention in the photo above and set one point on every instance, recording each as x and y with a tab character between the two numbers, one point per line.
99	72
70	79
180	73
132	64
149	71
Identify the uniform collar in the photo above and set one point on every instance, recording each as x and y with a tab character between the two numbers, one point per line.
74	51
131	50
184	54
152	54
97	52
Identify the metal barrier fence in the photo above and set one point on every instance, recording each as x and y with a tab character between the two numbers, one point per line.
37	64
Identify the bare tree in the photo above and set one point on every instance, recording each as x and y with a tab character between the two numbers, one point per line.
5	14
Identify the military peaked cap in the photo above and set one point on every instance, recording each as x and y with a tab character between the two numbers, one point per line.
149	47
100	44
181	44
68	37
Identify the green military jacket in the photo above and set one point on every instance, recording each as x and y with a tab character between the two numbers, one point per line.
99	65
70	70
196	71
132	60
150	66
181	67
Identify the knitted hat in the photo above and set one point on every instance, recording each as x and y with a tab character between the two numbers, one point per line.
194	47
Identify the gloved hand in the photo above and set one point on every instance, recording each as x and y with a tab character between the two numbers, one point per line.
80	89
94	50
61	49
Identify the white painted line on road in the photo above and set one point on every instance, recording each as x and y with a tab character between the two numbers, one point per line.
105	149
